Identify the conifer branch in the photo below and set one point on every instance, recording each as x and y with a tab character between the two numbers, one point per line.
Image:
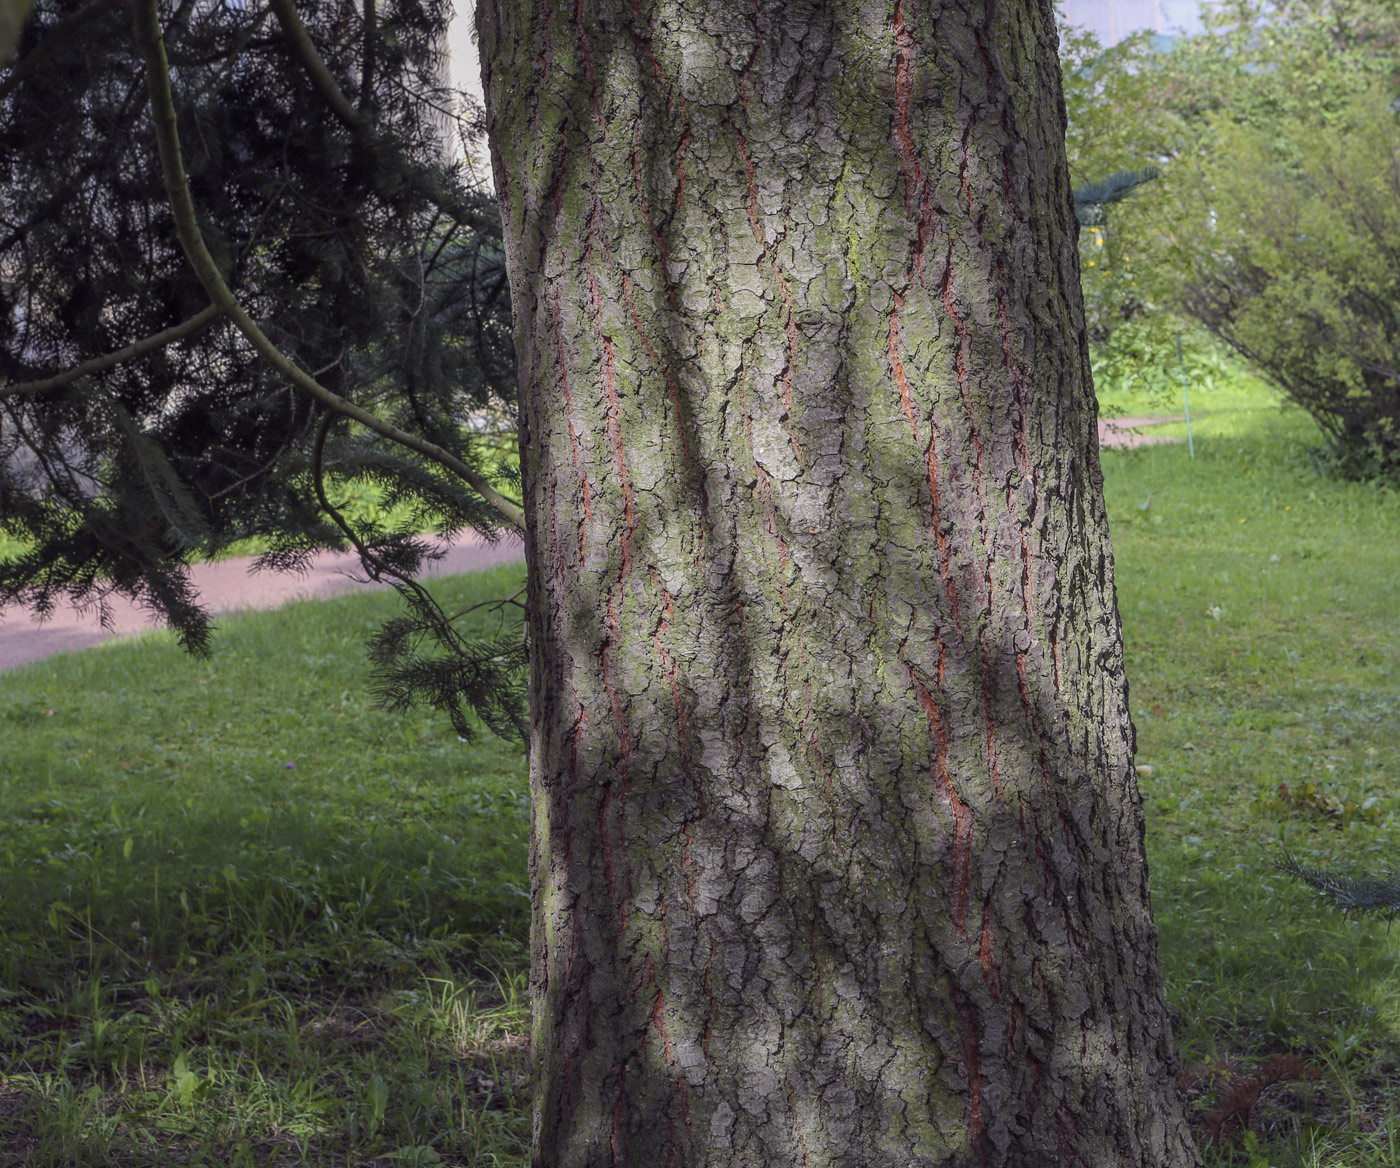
108	360
314	64
1379	895
52	39
324	82
148	35
368	58
480	675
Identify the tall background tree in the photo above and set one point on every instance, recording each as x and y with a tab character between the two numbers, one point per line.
837	844
1274	131
139	427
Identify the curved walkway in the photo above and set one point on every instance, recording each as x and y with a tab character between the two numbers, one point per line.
229	585
1120	433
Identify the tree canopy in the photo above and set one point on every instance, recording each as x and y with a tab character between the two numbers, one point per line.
140	425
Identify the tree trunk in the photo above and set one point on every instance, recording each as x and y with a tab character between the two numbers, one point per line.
837	848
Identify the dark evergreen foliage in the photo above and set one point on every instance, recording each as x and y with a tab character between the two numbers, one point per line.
360	251
1091	198
1379	895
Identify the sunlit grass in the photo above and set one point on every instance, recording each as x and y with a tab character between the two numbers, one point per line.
246	917
1259	604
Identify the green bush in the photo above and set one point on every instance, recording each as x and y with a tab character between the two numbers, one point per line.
1300	272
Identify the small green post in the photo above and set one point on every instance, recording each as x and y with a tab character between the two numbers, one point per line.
1185	397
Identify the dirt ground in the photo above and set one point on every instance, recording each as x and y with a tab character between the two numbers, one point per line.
229	585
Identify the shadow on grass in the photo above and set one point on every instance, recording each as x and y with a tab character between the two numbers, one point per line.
246	918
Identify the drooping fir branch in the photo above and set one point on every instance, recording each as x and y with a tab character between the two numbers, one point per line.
316	69
481	676
1091	198
148	35
109	360
357	121
1379	895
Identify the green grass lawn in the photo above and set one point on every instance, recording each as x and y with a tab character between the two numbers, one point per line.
248	919
1261	615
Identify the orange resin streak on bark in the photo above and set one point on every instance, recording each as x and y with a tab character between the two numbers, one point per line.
991	734
962	176
945	562
898	366
619	457
906	47
636	8
615	698
791	329
646	214
545	56
680	166
1026	578
916	191
797	1133
580	725
587	49
579	466
624	734
671	387
766	484
610	380
960	332
962	813
658	1019
925	230
1065	1131
753	187
967	1027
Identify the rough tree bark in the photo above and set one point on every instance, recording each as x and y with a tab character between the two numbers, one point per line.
838	852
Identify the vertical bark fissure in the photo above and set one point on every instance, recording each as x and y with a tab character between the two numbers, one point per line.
836	850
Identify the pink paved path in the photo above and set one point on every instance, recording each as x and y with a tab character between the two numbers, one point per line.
224	587
1122	432
228	586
